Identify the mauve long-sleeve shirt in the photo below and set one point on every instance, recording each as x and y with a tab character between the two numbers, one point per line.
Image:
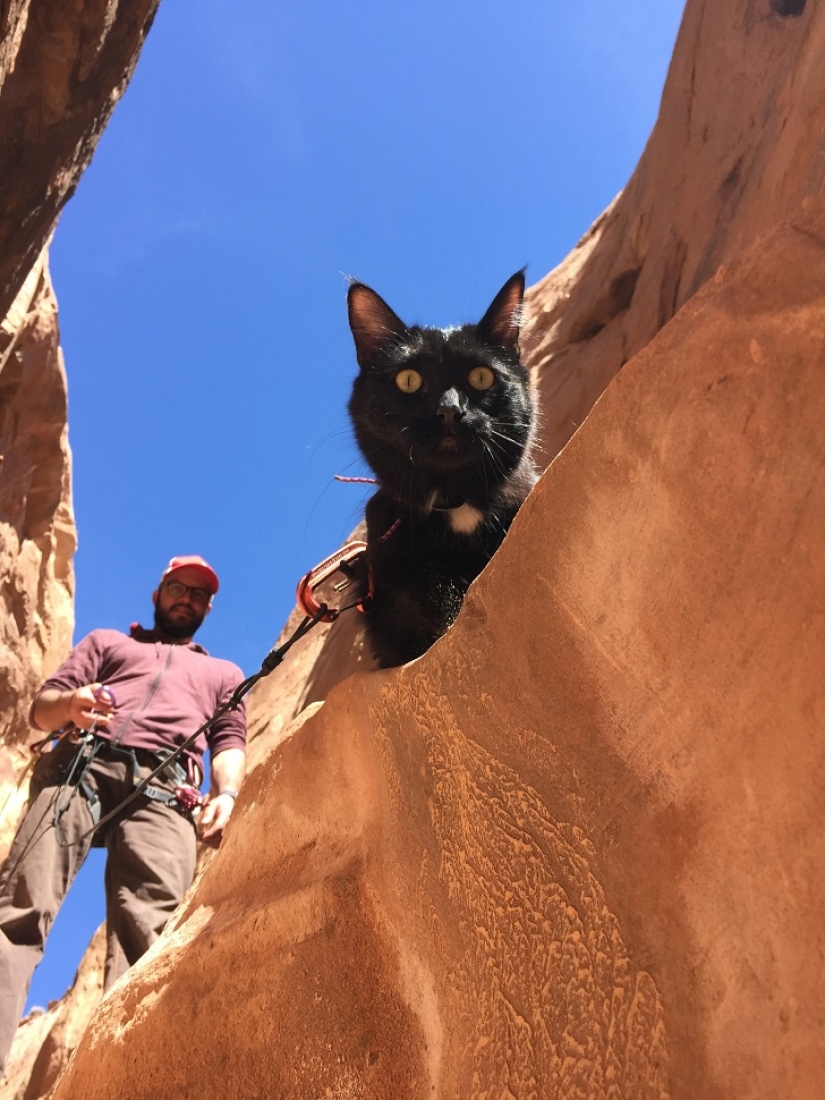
163	691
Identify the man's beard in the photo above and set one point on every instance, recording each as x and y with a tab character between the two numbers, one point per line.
178	630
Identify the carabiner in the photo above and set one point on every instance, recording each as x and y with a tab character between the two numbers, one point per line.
105	694
336	562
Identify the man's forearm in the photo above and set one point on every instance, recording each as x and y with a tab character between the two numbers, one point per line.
85	707
51	709
228	770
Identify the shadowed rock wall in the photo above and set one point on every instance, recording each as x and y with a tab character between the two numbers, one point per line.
37	536
63	67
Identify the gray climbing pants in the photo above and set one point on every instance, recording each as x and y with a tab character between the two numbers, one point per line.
150	864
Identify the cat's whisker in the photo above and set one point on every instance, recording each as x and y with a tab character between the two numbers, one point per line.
492	443
506	438
496	464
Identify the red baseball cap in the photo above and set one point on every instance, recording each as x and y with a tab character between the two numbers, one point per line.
193	561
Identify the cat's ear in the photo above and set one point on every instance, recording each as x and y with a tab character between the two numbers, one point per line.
500	324
373	323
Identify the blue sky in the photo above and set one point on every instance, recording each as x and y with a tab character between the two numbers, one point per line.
263	153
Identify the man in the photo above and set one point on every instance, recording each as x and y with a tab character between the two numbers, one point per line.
141	695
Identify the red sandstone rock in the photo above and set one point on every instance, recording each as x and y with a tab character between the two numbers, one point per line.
574	850
37	536
737	147
63	67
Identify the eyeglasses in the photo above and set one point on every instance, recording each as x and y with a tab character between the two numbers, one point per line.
176	589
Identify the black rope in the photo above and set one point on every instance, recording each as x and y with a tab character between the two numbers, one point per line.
270	662
81	763
9	868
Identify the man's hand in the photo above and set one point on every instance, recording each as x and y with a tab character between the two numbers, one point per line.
228	771
216	812
92	704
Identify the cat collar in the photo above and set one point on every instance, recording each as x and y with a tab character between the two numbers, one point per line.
448	502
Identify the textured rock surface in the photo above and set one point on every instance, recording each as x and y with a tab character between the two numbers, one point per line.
45	1039
573	851
567	854
738	146
63	66
739	143
37	536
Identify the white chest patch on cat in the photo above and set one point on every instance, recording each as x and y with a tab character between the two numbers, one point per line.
465	519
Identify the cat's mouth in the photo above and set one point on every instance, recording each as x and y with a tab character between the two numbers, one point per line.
453	445
448	444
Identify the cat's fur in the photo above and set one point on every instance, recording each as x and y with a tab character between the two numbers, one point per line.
452	460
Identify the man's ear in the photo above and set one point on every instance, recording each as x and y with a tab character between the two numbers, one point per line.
155	597
208	608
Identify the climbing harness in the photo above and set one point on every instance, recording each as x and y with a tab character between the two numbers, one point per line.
89	743
186	796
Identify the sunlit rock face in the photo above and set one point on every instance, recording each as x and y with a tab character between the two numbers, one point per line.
63	67
574	850
738	145
37	543
37	535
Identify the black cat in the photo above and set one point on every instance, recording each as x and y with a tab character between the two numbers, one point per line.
445	419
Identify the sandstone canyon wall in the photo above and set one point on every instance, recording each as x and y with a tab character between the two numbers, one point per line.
574	850
37	538
63	67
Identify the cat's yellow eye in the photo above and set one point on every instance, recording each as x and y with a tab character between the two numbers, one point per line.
409	381
481	378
